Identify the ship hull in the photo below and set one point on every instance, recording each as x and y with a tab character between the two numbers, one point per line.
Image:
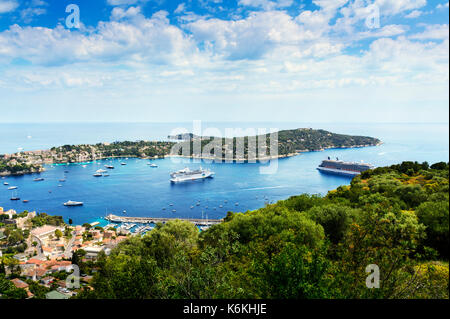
191	178
339	172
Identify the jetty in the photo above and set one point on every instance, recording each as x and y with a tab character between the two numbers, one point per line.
155	220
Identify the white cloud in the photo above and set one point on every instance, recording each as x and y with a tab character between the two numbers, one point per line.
433	31
413	14
180	8
392	7
124	2
442	5
266	4
386	31
8	6
258	34
118	13
151	40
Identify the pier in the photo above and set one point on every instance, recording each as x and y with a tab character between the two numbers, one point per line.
154	220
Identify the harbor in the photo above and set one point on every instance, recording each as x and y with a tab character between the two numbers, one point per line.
155	220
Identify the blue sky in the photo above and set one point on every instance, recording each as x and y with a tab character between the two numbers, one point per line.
218	60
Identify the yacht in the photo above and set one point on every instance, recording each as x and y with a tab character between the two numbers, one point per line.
190	175
73	203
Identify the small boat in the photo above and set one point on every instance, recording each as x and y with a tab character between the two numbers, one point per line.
174	210
25	201
59	185
14	196
237	204
12	187
109	166
123	163
101	171
38	179
66	171
170	204
97	175
220	206
105	175
192	207
5	183
73	203
62	180
163	208
153	165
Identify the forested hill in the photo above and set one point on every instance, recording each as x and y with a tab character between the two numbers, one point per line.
311	140
307	246
289	142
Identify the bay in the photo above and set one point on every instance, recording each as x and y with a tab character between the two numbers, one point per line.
144	191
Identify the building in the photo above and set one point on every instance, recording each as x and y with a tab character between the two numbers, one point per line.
93	251
45	232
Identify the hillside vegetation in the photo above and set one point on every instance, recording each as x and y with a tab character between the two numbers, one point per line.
307	246
289	142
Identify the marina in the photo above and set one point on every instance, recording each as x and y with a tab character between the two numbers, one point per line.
155	220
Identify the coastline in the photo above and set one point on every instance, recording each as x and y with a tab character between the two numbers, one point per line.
218	160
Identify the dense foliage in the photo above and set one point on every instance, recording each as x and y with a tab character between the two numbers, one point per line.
288	142
304	247
44	219
17	168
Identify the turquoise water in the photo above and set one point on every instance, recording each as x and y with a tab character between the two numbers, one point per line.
145	191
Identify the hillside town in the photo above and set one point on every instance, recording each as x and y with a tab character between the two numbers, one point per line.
27	162
39	252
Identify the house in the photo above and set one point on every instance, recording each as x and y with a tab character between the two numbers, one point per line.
47	280
93	251
19	283
22	257
45	232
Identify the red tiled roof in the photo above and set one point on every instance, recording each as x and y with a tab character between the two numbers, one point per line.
19	283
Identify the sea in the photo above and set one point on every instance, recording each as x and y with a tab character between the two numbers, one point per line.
137	189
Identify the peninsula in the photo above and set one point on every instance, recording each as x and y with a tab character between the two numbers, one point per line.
289	143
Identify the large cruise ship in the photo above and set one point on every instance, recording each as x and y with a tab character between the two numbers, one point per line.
338	167
190	175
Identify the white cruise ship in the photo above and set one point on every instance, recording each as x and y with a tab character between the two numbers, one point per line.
338	167
73	203
190	175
